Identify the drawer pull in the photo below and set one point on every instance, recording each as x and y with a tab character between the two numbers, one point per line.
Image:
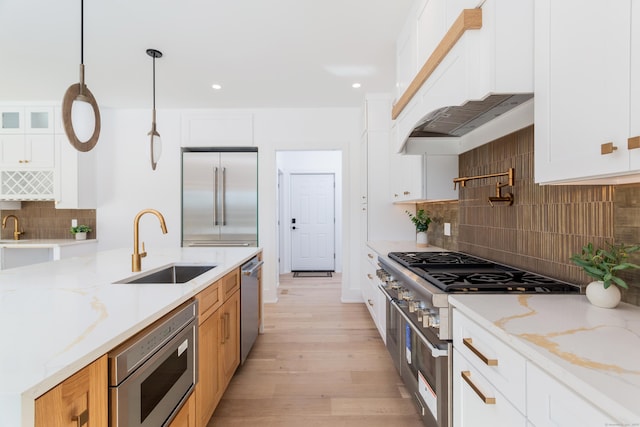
369	276
633	143
370	302
81	419
466	376
468	342
370	256
607	148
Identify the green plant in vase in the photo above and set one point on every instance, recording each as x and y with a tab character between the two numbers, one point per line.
604	265
421	220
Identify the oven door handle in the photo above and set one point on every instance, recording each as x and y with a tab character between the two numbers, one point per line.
435	352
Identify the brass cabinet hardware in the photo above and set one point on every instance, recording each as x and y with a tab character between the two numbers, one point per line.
370	302
468	342
369	276
406	193
370	256
633	143
607	148
466	376
82	419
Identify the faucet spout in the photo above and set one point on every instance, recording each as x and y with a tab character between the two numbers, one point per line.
136	257
16	232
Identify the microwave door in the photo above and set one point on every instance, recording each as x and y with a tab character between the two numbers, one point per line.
201	213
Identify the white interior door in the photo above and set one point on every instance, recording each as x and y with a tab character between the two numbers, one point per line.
312	222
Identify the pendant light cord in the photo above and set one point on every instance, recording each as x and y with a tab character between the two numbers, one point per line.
154	83
82	32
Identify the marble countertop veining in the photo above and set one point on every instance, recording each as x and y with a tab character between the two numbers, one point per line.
593	351
60	316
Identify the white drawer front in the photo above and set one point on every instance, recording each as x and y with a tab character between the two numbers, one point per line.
502	366
476	402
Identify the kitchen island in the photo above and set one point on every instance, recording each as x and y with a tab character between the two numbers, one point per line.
583	351
60	316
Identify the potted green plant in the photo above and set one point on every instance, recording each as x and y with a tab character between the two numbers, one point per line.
604	265
80	231
421	220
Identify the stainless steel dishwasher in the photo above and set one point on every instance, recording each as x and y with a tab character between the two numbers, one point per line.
249	305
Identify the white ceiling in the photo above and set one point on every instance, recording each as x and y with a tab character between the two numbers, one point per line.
265	53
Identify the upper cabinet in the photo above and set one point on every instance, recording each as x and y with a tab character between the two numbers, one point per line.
587	92
38	163
217	129
452	52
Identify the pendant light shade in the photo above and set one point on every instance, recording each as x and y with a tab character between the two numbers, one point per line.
80	113
156	141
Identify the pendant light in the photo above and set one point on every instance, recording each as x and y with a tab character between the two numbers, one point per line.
156	141
80	113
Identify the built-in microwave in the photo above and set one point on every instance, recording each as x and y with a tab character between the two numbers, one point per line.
154	373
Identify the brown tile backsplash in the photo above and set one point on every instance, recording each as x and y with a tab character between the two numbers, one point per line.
41	220
546	224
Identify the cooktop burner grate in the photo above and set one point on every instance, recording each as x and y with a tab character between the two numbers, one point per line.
459	272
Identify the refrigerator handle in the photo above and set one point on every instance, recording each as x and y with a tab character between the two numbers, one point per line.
224	195
215	196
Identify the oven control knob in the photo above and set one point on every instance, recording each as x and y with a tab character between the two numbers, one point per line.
431	320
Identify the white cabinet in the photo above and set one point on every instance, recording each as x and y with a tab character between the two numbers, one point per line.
501	366
75	177
493	384
477	402
497	58
21	254
371	294
26	137
551	404
587	91
217	129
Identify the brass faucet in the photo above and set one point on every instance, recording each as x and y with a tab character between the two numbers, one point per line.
136	258
16	233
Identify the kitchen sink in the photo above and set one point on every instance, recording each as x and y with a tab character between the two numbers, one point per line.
174	273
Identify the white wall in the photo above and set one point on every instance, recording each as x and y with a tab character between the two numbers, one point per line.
126	183
292	162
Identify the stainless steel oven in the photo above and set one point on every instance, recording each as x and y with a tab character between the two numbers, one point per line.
417	285
153	373
422	360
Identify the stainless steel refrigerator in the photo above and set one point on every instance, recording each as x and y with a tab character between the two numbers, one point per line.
219	196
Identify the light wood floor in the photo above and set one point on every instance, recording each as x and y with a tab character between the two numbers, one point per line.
319	363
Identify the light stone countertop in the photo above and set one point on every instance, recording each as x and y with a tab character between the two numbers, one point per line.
60	316
43	243
593	351
383	247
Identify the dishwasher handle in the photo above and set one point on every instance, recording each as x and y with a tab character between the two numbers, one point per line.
251	271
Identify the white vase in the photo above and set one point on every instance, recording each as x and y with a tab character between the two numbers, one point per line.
601	297
81	236
421	239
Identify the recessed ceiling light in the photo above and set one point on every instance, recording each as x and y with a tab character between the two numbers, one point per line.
356	85
216	86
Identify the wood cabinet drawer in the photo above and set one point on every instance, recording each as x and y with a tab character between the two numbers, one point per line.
230	283
502	366
209	301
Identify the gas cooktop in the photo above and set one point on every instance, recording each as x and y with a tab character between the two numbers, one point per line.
461	273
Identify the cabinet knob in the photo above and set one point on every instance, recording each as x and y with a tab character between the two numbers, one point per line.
607	148
395	195
633	143
370	302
